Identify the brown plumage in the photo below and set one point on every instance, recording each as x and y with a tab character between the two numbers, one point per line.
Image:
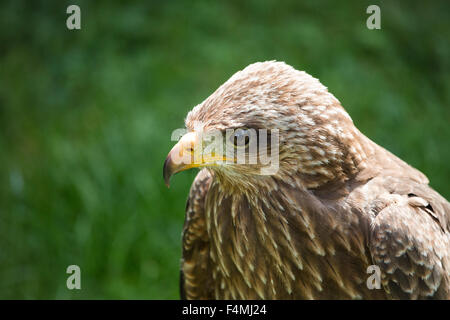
338	203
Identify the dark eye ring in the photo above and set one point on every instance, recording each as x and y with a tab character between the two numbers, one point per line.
240	138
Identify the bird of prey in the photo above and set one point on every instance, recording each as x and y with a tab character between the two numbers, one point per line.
338	210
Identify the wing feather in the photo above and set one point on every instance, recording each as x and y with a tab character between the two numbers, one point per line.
410	241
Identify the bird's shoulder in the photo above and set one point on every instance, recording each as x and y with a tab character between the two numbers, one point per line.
398	191
410	238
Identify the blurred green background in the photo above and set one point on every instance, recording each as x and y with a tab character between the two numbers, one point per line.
86	118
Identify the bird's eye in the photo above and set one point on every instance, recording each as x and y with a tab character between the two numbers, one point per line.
240	138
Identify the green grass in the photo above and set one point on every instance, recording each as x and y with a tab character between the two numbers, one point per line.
86	118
